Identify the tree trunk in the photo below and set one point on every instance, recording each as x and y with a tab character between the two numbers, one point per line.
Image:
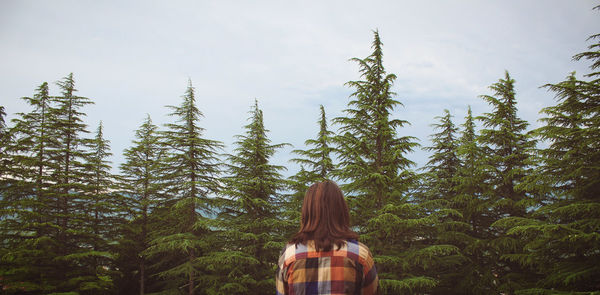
191	281
142	275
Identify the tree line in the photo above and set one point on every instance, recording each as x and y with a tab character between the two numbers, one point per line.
499	210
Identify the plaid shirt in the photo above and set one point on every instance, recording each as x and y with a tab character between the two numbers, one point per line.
349	270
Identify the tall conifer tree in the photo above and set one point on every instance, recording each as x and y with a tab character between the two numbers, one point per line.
4	140
507	150
561	239
374	169
250	215
49	166
507	145
191	177
443	163
439	201
474	275
372	156
70	193
102	218
141	183
26	175
317	159
30	156
2	119
320	167
69	157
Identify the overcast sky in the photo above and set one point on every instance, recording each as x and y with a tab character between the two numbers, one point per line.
134	57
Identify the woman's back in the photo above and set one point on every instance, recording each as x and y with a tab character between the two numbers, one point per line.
324	256
347	270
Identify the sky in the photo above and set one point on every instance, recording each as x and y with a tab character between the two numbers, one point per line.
132	58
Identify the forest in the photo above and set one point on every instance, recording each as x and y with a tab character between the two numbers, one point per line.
498	209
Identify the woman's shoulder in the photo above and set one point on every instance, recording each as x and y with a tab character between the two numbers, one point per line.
291	252
359	249
351	248
292	249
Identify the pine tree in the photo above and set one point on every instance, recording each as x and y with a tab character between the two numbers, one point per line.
506	145
33	136
317	159
474	275
561	239
141	183
320	167
250	216
374	169
298	185
69	193
372	155
102	218
4	141
28	248
440	201
416	240
507	159
2	119
48	170
191	178
443	163
469	177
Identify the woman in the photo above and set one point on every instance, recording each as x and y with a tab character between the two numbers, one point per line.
325	257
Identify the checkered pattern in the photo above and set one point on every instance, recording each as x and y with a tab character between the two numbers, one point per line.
349	270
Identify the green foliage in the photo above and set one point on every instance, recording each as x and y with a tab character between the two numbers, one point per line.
507	160
317	159
412	285
320	167
190	179
5	140
250	216
141	183
26	251
561	240
443	163
372	158
55	238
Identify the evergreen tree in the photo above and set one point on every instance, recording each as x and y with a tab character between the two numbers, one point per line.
4	140
28	250
443	163
318	160
69	195
49	197
561	239
141	183
374	168
417	239
469	178
191	177
298	185
506	150
440	201
102	218
473	275
507	146
2	119
29	161
250	216
372	155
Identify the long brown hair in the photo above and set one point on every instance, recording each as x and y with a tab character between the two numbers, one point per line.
325	217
